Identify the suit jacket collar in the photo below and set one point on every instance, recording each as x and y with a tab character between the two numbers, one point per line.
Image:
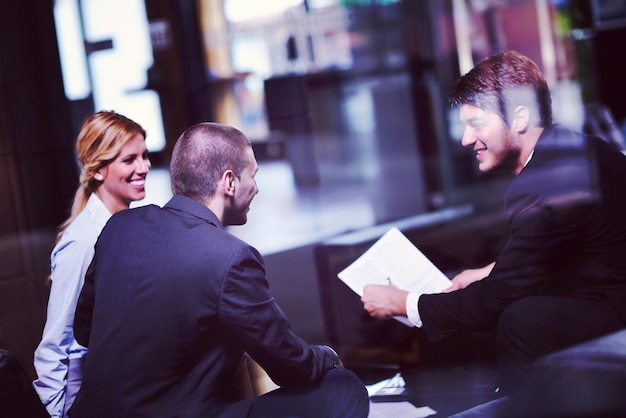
546	138
194	208
555	140
560	137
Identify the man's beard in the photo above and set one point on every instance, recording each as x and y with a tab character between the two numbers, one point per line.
508	159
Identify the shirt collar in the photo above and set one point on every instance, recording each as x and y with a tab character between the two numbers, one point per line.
530	157
99	211
194	208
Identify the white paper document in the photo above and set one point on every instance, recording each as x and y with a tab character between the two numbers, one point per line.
393	259
399	410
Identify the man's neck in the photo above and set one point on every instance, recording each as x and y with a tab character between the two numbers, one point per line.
528	142
217	207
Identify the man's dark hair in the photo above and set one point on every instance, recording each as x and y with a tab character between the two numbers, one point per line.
202	154
502	82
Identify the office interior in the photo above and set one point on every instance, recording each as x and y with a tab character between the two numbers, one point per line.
345	104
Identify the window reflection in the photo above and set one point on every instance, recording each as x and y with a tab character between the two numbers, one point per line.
113	67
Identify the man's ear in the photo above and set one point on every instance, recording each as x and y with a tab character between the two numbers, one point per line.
228	182
521	119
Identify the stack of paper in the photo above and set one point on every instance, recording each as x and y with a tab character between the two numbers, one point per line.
393	259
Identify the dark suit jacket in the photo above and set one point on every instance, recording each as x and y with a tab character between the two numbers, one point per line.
170	303
567	217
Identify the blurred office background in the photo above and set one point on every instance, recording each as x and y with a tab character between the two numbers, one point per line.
344	101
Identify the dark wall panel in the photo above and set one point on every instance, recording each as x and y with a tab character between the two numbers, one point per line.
11	260
38	173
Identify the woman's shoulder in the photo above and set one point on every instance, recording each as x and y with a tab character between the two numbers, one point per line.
83	231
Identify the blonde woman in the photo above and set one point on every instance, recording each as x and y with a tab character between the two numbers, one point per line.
114	162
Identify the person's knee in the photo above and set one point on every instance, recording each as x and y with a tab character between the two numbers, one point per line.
348	388
515	328
342	377
343	380
517	345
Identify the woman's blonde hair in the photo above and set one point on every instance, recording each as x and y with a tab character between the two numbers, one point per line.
100	140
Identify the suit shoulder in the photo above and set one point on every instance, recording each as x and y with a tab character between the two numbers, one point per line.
138	211
134	218
229	240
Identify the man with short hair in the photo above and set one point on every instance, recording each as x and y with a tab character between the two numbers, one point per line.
172	301
561	277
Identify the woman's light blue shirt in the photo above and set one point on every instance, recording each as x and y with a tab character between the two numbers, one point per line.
70	259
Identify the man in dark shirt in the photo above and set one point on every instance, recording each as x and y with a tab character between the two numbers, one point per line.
172	301
561	277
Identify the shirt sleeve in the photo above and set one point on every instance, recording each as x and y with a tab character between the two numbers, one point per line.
57	346
412	311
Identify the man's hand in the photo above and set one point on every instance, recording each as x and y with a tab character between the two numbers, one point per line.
384	301
469	276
